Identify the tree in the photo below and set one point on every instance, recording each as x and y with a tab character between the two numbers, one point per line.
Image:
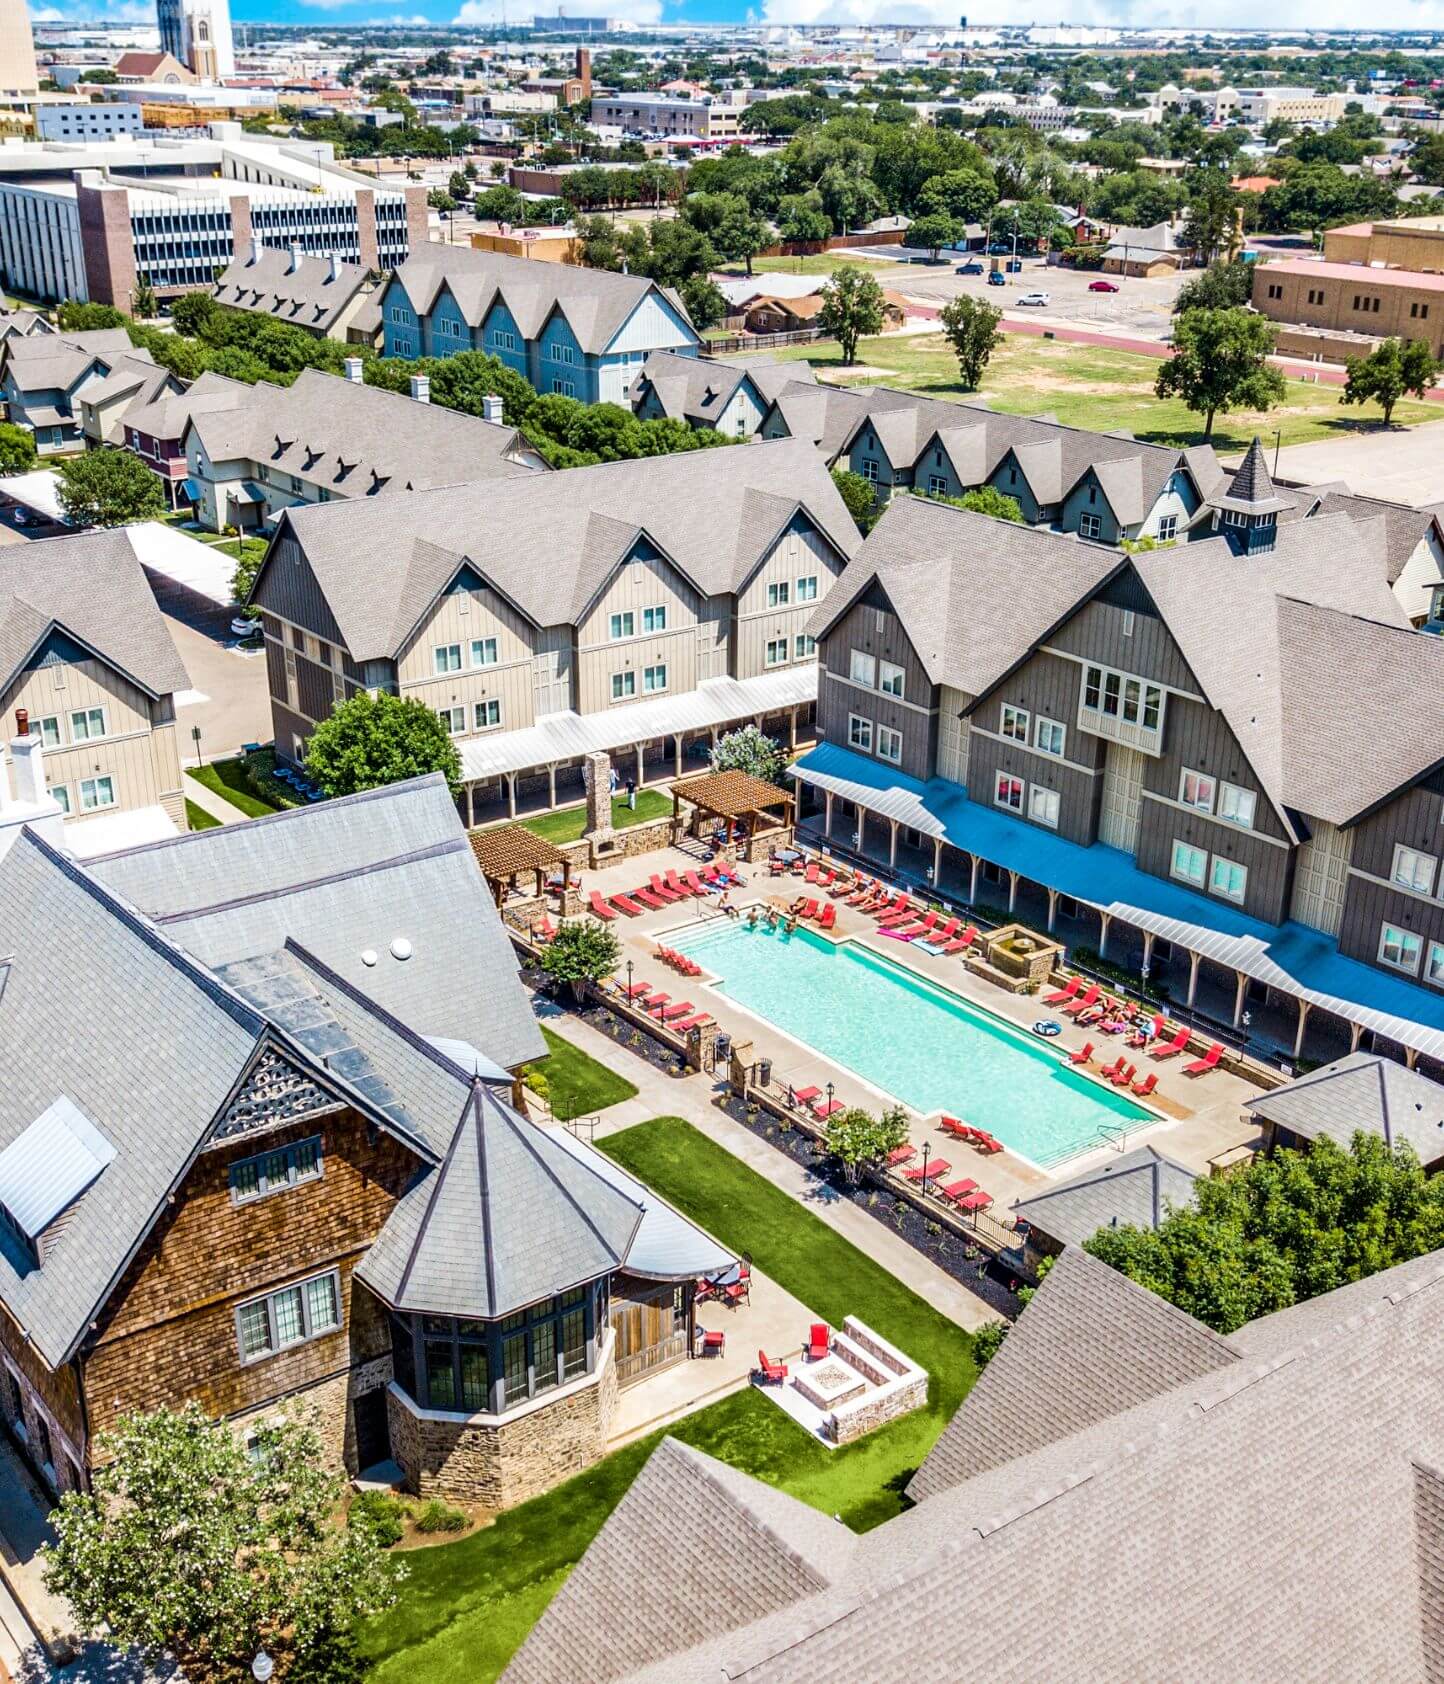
706	303
860	496
1427	159
857	1138
1220	362
1222	286
17	449
988	500
852	307
142	298
500	204
1386	374
1138	198
196	1547
108	487
579	953
458	184
731	224
1284	1229
803	220
750	750
934	231
440	201
193	313
966	194
83	318
243	577
970	326
370	741
1211	226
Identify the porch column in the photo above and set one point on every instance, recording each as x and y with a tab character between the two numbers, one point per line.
1240	989
1148	940
792	728
551	783
827	814
641	754
470	806
861	843
1411	1057
892	845
1356	1034
679	755
1012	888
1193	959
1105	920
937	861
1299	1038
973	880
1052	908
511	794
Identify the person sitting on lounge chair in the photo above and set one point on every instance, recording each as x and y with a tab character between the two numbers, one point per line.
797	906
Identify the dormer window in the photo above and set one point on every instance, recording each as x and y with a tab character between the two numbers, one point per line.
45	1169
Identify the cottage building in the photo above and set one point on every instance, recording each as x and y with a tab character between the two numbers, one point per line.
43	378
154	429
728	397
321	295
1360	1094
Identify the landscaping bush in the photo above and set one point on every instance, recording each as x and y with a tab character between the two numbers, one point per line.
986	1341
538	1084
437	1516
380	1514
259	768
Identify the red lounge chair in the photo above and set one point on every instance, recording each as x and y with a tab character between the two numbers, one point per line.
1147	1085
973	1202
809	910
1084	1001
959	1130
805	1096
964	941
662	892
819	1341
927	1172
636	989
600	909
985	1142
945	932
842	886
1174	1047
775	868
899	912
646	897
714	1342
1201	1066
827	918
823	1112
956	1190
677	1011
1082	1055
676	885
694	882
900	1155
1139	1039
1061	994
1112	1069
773	1373
1124	1076
811	874
693	1021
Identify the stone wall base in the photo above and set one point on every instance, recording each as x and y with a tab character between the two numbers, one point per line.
328	1407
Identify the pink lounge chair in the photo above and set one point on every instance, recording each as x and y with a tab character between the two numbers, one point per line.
1174	1047
676	885
600	909
625	903
823	1112
1084	1001
805	1096
819	1341
1083	1054
1125	1076
1201	1066
1147	1085
1058	996
827	919
927	1172
985	1142
647	898
957	1128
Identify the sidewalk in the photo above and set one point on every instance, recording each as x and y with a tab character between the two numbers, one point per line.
209	802
23	1529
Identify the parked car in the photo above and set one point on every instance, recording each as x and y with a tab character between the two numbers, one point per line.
241	626
20	517
1039	298
996	278
1103	286
971	268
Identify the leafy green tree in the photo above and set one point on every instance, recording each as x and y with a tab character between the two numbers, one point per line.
987	1341
729	222
860	496
970	326
193	314
142	297
1222	286
72	317
459	185
750	750
1384	376
852	308
1427	159
102	76
581	952
1320	195
934	231
17	449
1219	363
193	1547
850	198
370	741
500	204
856	1138
108	487
440	201
803	220
464	382
1137	198
1211	226
988	500
705	301
964	194
243	577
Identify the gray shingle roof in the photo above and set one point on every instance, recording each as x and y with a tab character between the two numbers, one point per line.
1135	1189
1404	528
1251	490
548	543
165	416
595	302
508	1218
1361	1093
92	586
45	362
697	389
301	293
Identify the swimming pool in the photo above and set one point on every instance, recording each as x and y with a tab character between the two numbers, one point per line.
913	1040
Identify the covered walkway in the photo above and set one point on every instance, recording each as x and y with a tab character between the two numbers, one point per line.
1301	963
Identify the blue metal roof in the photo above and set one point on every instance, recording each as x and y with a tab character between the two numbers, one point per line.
1302	962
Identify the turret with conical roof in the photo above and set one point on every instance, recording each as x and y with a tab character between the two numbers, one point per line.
1248	512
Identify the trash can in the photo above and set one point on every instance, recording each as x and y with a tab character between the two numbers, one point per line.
764	1072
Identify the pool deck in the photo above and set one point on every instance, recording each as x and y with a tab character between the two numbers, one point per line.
1199	1117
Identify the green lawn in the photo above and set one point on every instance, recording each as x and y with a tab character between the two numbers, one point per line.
467	1605
577	1084
1097	387
227	779
567	824
197	818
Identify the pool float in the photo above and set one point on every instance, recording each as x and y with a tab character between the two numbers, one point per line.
1047	1028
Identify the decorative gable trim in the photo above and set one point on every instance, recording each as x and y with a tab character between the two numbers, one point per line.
273	1092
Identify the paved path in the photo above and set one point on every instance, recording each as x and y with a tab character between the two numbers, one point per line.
691	1097
209	802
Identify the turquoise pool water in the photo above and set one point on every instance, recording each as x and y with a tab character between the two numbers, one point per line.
913	1040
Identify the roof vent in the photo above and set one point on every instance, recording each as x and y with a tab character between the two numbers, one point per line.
368	957
400	948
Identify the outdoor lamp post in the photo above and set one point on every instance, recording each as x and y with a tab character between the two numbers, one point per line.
927	1149
629	980
829	1099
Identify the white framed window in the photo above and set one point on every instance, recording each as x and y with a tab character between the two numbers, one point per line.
889	744
1008	792
61	793
1414	870
1228	879
807	588
563	388
1015	723
487	714
289	1317
890	678
49	729
274	1172
86	724
1128	622
454	719
937	485
1399	949
654	678
776	651
654	619
779	593
1089	526
1197	790
562	352
1236	805
869	471
804	647
96	793
446	657
622	625
1043	805
483	651
624	684
1434	965
1188	864
1049	737
862	668
1167	528
859	733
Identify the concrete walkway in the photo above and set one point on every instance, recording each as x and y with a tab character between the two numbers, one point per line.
209	802
691	1097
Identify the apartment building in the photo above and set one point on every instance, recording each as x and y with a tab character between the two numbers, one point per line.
731	398
87	662
1219	765
321	295
1353	298
636	607
18	77
583	333
713	117
70	387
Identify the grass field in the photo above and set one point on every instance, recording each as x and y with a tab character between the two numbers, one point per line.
1097	387
568	823
577	1084
468	1605
227	779
197	818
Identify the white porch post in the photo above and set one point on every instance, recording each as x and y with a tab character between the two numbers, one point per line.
470	805
937	861
551	783
973	879
1303	1020
1356	1034
1148	940
679	755
1012	888
1052	908
641	755
827	814
1193	959
511	794
1240	989
792	728
892	846
1105	921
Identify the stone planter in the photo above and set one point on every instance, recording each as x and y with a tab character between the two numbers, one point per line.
1022	954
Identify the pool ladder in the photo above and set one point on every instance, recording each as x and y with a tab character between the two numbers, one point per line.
1114	1135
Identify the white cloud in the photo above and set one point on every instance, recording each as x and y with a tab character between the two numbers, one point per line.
1175	14
97	11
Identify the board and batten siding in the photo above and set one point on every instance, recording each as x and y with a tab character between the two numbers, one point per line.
289	589
1269	885
871	625
715	638
1121	798
989	754
1097	633
1411	820
644	580
654	326
954	731
800	553
1321	878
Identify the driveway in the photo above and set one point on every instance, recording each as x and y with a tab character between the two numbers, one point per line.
1397	462
228	700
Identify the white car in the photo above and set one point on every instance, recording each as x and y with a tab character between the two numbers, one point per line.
1039	298
243	627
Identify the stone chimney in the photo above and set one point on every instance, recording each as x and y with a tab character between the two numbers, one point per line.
421	387
491	408
295	259
353	367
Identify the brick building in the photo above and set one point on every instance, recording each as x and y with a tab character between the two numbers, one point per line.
1353	298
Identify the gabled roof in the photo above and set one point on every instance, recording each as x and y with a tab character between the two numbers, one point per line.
1362	1093
91	587
548	543
55	362
1136	1189
136	376
1404	528
595	302
301	293
698	389
165	415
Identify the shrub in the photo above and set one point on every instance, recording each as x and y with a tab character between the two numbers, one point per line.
437	1516
380	1514
580	953
986	1341
537	1082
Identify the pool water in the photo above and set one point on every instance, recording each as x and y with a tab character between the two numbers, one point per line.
911	1039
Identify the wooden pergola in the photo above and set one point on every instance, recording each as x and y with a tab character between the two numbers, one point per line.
732	796
510	849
